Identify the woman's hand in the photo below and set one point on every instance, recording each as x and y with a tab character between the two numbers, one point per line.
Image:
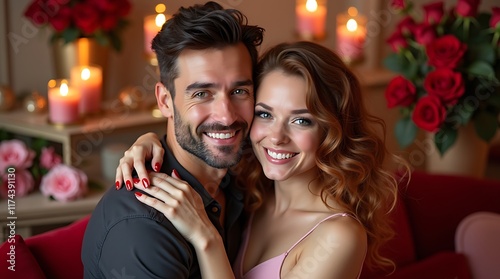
182	205
146	147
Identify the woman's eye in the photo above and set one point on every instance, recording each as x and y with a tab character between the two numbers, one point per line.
262	114
302	121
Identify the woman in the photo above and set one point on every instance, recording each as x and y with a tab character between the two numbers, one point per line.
317	194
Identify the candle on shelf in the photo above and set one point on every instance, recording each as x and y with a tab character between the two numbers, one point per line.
63	102
310	18
87	80
152	25
351	35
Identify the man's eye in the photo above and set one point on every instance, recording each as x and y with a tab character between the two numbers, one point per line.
239	91
200	94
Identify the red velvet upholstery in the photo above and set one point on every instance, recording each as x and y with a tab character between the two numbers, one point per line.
426	217
17	262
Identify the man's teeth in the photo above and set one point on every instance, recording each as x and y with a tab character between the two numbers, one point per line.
280	156
221	135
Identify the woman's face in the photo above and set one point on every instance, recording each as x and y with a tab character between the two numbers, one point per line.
284	135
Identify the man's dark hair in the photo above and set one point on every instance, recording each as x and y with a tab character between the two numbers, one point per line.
201	27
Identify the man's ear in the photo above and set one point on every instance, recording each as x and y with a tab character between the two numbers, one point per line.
164	100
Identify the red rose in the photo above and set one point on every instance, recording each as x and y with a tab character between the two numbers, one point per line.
445	84
61	20
109	22
406	26
400	92
86	17
445	52
398	4
397	41
429	113
495	17
35	13
425	34
433	12
467	8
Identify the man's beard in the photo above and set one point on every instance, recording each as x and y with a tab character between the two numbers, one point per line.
195	145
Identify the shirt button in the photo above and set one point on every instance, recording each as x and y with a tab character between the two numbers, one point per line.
215	209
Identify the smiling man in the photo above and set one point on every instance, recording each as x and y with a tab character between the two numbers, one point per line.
206	56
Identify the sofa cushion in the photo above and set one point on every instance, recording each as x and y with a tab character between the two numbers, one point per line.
17	262
58	252
437	203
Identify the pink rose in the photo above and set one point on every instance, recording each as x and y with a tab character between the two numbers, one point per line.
495	17
14	153
49	158
64	183
20	181
467	8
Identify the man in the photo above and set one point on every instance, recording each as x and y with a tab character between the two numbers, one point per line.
206	56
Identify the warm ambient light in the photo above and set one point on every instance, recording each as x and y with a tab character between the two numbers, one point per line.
352	11
352	25
160	20
160	8
85	74
311	5
64	89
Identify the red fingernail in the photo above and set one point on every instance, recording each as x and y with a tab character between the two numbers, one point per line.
145	182
128	184
117	185
176	173
135	180
157	167
138	194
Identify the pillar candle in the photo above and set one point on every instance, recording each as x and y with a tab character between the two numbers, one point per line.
311	19
63	102
351	35
87	80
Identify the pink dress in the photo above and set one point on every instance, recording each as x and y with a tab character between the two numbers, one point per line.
270	269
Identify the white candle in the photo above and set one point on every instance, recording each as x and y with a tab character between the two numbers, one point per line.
63	102
311	18
87	80
351	35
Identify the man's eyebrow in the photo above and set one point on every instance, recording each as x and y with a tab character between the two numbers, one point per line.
204	85
297	111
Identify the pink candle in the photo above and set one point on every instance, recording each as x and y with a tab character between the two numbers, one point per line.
311	18
87	80
351	34
152	25
63	102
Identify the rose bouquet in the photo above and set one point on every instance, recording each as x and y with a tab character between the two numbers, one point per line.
449	69
22	168
102	20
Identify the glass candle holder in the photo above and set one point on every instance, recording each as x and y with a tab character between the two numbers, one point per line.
351	35
310	16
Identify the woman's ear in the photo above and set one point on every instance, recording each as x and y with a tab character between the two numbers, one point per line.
164	100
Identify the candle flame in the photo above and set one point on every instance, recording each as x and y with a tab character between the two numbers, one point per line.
64	89
352	11
352	25
160	20
85	74
160	8
311	5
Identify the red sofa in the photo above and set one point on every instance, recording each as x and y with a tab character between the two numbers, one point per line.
426	217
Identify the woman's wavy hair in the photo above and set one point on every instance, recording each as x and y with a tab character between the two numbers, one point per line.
201	27
351	155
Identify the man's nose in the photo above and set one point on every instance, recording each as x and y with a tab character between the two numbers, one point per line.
224	111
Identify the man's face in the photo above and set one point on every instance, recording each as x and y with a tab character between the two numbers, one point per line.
214	103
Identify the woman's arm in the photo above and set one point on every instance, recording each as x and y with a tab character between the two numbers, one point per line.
147	146
182	205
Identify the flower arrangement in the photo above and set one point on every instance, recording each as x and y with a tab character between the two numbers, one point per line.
449	69
102	20
22	168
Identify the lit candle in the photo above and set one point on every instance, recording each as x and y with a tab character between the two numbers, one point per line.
152	25
87	80
311	18
351	34
63	102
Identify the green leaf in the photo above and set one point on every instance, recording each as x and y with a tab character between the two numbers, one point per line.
101	38
484	52
395	62
70	34
405	131
486	124
445	138
481	69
